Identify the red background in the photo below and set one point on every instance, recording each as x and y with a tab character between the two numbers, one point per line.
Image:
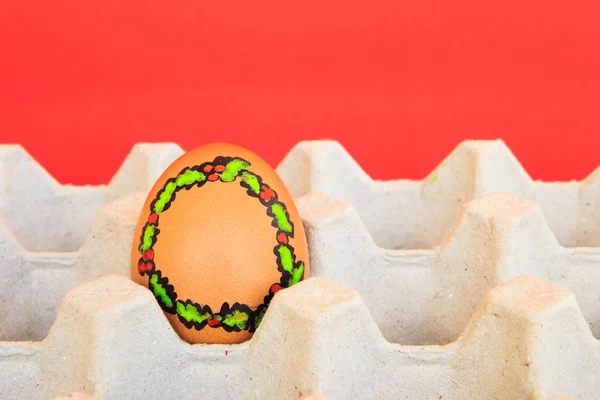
399	83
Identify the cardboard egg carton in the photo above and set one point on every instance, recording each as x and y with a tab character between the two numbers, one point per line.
428	289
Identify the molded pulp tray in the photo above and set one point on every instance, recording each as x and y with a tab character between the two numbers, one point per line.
475	283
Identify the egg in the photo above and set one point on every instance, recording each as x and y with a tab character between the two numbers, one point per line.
218	236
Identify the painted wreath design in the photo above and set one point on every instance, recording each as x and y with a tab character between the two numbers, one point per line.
238	317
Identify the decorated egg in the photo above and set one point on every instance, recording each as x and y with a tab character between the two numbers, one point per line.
218	236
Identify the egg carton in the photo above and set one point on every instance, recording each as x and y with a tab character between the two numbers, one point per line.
428	289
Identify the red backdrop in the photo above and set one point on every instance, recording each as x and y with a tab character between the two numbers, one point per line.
397	82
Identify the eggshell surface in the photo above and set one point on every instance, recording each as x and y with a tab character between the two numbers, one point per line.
218	236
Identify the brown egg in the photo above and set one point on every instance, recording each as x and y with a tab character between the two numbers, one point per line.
218	236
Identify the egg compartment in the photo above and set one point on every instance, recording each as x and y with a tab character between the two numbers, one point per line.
55	236
417	214
319	338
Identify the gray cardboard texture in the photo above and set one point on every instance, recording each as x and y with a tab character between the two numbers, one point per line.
475	283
